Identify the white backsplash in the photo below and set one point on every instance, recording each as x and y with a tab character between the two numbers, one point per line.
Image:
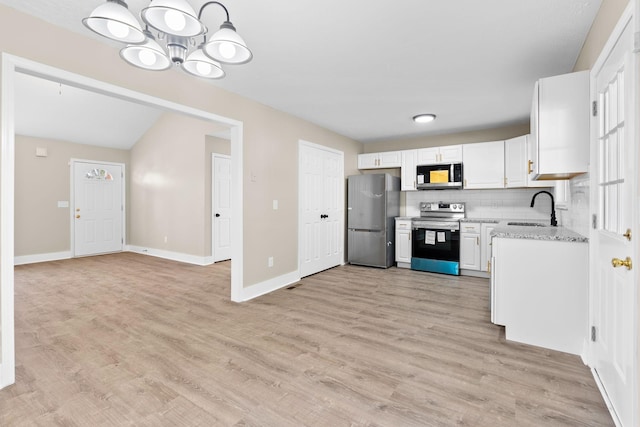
511	204
576	217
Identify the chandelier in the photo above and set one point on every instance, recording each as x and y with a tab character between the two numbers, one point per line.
175	23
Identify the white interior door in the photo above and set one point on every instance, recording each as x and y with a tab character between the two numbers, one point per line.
613	291
221	197
98	209
321	185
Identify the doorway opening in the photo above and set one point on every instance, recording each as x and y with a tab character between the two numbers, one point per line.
12	66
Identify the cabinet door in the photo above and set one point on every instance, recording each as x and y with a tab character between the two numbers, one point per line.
485	242
428	156
390	159
408	170
470	251
515	162
451	154
532	148
563	125
368	161
403	246
484	165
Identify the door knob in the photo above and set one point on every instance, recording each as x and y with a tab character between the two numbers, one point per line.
617	262
217	215
77	216
628	234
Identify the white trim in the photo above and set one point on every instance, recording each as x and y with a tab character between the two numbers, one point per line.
268	286
588	355
606	399
173	256
213	176
12	64
72	200
35	258
7	179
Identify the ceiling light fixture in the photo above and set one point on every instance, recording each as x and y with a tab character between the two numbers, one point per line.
175	24
424	118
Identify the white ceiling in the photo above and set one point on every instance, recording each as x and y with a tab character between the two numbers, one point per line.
364	68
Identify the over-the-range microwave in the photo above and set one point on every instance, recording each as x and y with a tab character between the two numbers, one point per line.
443	176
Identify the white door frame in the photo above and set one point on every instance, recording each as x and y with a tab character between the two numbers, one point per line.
72	199
631	118
302	142
12	64
213	190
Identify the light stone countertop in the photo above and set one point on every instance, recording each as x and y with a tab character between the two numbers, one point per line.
537	233
482	220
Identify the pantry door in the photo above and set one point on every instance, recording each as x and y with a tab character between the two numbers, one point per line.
221	185
98	208
614	233
321	208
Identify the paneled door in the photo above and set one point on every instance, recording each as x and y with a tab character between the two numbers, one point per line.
321	208
98	208
614	235
221	185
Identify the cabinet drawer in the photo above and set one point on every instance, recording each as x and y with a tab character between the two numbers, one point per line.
470	227
403	225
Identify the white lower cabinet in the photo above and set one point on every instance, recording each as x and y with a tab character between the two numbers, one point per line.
470	246
475	248
539	292
403	243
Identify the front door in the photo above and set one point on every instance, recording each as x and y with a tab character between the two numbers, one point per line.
98	209
221	207
613	293
321	202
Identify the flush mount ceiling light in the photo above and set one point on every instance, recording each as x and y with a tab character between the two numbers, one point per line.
424	118
176	25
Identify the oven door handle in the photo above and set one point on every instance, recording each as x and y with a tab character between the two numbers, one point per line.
438	226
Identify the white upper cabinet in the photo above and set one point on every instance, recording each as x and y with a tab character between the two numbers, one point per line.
408	170
517	164
436	155
483	165
387	159
559	143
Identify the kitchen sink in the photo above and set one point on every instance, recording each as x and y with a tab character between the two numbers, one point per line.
527	224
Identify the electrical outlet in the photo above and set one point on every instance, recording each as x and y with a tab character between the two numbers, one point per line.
270	261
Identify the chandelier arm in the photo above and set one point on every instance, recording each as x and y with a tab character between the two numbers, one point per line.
213	2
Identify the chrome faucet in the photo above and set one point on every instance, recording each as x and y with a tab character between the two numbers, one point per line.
554	223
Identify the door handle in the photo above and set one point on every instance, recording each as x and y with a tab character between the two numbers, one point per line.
628	234
77	216
217	215
530	166
617	262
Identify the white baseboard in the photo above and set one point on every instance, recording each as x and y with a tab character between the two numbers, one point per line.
174	256
270	285
31	259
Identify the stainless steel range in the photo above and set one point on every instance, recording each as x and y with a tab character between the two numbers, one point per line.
435	238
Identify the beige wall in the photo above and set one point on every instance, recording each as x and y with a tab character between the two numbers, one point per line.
270	138
607	18
168	179
484	135
40	182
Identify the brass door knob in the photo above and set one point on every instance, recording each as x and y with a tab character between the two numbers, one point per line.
628	234
77	216
617	262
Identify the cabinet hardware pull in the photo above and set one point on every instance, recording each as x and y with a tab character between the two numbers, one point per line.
617	262
530	166
628	234
478	241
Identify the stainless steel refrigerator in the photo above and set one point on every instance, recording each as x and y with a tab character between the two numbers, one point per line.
372	205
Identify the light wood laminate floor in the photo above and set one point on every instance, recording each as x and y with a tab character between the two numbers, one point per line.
125	339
